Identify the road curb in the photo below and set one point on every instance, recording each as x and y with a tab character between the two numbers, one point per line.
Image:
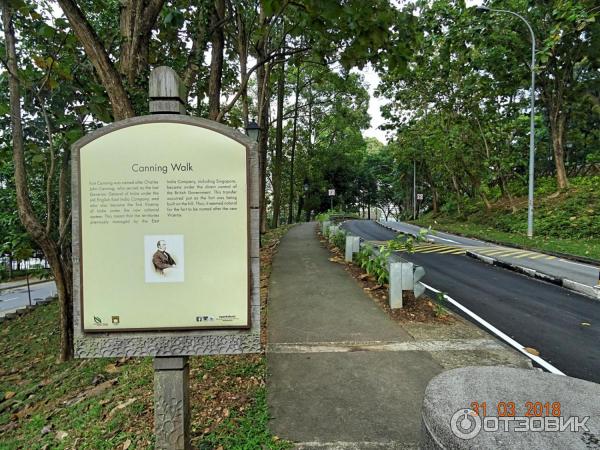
570	257
18	312
402	232
580	288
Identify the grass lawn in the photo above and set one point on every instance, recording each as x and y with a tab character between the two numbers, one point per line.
108	403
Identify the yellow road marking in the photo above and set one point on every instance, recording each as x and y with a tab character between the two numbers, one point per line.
493	252
432	250
526	254
433	247
454	251
538	256
510	253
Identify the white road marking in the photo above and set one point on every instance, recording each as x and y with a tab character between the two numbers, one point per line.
443	239
546	365
9	299
577	264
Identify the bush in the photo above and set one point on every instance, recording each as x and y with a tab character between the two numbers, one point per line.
339	240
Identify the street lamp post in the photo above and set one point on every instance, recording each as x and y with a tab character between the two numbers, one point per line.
532	118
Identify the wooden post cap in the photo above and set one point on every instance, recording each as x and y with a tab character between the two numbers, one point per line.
166	91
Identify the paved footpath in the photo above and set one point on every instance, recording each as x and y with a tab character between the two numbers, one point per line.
342	374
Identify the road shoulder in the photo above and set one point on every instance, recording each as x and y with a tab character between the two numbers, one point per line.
592	292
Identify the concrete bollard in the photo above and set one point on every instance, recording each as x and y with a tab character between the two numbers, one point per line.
333	229
352	247
395	289
407	276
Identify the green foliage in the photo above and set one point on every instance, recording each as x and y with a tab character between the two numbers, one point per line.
438	305
376	262
459	111
339	240
572	214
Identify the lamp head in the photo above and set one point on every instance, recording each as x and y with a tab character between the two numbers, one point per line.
252	130
482	9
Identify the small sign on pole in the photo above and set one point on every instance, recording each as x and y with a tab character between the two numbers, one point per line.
419	196
332	192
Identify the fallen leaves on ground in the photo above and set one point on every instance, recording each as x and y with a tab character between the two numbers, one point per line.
120	406
111	368
532	351
91	392
60	435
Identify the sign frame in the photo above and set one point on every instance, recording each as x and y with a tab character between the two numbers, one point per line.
180	341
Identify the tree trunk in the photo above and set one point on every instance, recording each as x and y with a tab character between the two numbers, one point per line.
216	60
263	139
557	129
300	206
95	51
243	55
488	205
25	209
278	160
196	55
458	195
506	192
294	142
136	22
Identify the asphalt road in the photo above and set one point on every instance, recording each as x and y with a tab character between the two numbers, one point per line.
18	297
534	313
563	268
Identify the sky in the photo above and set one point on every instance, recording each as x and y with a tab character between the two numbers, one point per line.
372	79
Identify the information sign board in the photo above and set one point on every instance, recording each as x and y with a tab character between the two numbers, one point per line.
163	228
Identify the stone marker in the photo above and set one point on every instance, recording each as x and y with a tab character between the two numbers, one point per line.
449	419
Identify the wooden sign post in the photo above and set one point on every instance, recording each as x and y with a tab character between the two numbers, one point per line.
165	246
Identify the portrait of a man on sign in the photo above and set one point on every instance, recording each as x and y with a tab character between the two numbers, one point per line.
164	259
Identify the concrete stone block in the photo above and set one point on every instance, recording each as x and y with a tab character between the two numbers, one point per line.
407	276
448	421
395	289
352	247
